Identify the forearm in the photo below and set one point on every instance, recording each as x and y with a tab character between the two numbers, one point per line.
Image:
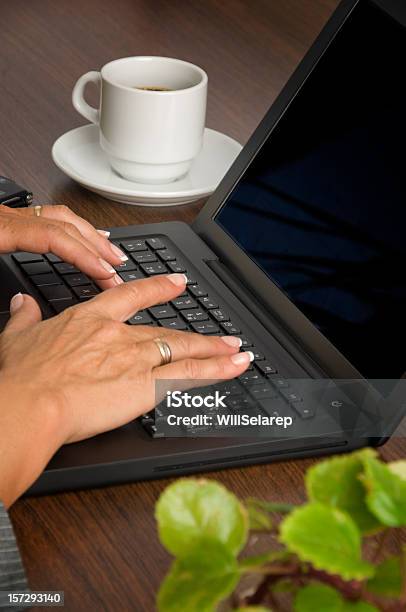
29	437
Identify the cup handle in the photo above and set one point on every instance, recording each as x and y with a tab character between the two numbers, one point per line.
78	100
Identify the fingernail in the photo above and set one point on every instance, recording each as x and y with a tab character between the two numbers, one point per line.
232	341
177	279
118	280
16	302
118	252
104	233
242	358
107	266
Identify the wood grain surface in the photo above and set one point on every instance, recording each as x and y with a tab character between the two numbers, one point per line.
100	546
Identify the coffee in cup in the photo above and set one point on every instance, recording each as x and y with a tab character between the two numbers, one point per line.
151	116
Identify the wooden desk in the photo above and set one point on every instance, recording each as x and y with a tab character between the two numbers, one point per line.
100	546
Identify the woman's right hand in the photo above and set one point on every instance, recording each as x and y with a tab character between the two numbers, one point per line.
84	371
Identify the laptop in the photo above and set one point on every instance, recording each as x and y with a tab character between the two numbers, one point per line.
300	251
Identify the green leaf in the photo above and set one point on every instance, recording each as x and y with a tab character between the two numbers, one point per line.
388	578
336	482
200	580
190	510
314	597
328	538
386	492
258	519
399	468
317	597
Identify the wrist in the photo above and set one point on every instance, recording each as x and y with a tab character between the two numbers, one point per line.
30	434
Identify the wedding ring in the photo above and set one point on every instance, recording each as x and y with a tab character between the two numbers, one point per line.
165	351
37	211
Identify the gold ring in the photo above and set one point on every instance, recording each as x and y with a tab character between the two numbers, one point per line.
165	351
37	211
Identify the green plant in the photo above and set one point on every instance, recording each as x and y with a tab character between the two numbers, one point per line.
327	555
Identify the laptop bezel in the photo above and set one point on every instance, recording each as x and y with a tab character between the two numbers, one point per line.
273	300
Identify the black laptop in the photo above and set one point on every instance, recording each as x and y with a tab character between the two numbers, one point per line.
300	251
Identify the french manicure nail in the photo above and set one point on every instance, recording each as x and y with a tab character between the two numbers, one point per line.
232	341
177	279
242	358
107	266
118	252
118	280
104	233
16	302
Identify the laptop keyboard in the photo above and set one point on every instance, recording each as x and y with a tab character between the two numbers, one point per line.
261	389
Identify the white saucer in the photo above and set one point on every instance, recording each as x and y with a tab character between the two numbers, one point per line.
78	154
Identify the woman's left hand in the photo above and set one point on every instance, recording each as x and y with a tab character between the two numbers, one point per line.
60	231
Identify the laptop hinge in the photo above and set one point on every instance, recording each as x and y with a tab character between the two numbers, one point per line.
267	319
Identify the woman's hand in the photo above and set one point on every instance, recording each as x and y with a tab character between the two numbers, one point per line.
60	231
84	372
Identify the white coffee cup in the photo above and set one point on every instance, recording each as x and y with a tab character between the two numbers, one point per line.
149	136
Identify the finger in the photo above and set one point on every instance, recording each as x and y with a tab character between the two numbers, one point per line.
124	301
200	372
43	236
97	239
184	345
24	312
72	230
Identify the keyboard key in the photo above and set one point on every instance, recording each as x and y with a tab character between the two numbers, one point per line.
266	368
230	328
40	267
4	317
154	268
86	292
208	303
257	356
56	292
126	266
133	245
280	383
75	280
219	315
25	257
205	328
197	291
194	315
228	388
176	266
162	312
184	302
155	243
41	280
251	378
144	258
262	391
130	276
176	323
141	318
240	403
166	255
302	410
152	429
65	268
61	305
245	341
53	258
291	397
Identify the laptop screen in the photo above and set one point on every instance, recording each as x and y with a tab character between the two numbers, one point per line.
322	208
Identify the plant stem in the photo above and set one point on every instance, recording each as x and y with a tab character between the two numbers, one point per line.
270	506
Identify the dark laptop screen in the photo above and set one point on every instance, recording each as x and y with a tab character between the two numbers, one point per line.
322	208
